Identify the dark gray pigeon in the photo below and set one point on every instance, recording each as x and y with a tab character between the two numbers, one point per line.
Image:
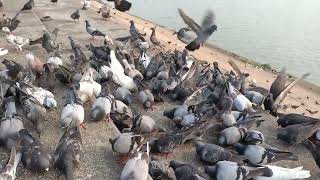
35	157
76	15
211	153
185	171
28	6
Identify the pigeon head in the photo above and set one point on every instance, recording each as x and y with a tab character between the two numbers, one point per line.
174	164
46	36
87	23
50	102
6	30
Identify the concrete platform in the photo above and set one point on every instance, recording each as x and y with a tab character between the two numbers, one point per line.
98	161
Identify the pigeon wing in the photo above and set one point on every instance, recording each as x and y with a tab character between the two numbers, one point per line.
190	22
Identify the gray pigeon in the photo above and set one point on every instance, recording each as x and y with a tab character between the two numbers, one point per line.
231	135
203	32
146	98
257	154
92	30
183	34
10	125
227	170
226	116
124	95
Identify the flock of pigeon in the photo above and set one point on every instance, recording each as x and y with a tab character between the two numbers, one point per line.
117	81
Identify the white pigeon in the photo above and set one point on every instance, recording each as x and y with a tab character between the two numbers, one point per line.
55	61
72	111
89	89
3	51
281	173
119	76
137	167
144	59
86	4
105	72
101	108
240	102
17	41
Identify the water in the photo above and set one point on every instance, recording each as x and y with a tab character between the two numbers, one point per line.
277	32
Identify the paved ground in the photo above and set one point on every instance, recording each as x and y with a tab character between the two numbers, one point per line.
98	161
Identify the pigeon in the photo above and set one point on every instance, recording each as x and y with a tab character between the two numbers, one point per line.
32	109
35	64
121	108
253	137
17	41
48	44
227	117
281	173
28	6
104	11
296	133
313	149
185	171
292	118
76	15
92	30
143	124
153	37
10	125
12	24
54	1
118	74
227	170
184	36
158	170
86	4
125	143
134	33
124	95
34	155
101	108
67	154
257	154
144	59
44	97
1	4
3	51
146	98
211	153
131	71
137	167
10	169
203	32
240	102
121	5
89	89
15	71
231	135
73	110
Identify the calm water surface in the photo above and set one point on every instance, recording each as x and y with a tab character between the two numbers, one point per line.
278	32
